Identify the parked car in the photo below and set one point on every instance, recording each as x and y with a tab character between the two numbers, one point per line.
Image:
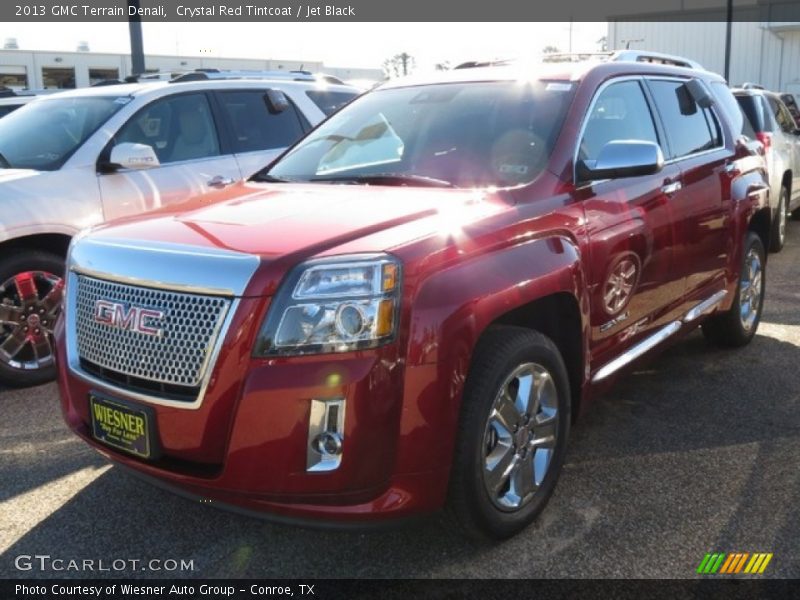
77	158
11	100
768	120
410	307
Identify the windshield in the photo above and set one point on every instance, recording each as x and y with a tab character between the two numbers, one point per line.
462	134
44	134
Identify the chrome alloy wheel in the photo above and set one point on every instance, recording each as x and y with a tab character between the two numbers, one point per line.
520	436
750	289
29	306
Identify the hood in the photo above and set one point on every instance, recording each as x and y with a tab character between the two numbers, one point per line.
276	220
15	175
244	245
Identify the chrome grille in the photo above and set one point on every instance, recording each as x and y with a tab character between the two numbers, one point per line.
190	326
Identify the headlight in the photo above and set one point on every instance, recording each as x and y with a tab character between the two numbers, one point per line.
333	305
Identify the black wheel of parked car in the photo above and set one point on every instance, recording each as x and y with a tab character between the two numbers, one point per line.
738	325
512	435
31	285
777	236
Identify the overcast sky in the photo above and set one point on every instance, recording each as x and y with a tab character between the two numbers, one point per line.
337	44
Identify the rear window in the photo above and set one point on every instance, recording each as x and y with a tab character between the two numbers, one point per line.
329	102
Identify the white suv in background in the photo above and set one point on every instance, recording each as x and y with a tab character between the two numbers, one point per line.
78	158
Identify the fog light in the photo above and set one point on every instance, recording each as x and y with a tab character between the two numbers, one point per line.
325	435
328	443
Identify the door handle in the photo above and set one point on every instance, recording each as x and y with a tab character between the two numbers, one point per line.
218	181
670	187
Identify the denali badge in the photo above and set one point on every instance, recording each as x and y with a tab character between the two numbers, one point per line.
134	318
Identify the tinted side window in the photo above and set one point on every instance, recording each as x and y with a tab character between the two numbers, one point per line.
690	129
178	128
253	127
619	113
329	102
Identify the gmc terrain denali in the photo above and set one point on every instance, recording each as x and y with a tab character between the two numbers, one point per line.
409	308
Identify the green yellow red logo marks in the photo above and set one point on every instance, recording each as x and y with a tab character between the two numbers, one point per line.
719	563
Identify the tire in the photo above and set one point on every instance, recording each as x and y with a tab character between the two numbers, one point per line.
504	359
777	237
31	283
732	328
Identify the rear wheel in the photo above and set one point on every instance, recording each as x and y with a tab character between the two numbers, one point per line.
31	285
512	435
738	325
777	237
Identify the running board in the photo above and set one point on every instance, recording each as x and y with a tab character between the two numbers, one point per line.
706	306
636	351
658	337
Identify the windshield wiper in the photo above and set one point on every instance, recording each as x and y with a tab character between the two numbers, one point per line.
4	164
388	179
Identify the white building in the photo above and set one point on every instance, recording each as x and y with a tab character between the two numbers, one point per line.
767	53
37	69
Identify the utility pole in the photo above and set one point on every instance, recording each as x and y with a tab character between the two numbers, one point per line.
728	28
137	47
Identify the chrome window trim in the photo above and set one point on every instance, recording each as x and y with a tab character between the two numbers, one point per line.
651	105
73	358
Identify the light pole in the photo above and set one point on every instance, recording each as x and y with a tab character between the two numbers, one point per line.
137	47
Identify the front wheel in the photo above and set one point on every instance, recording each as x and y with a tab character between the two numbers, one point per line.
738	325
512	434
31	285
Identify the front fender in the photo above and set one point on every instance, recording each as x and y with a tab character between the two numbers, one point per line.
448	315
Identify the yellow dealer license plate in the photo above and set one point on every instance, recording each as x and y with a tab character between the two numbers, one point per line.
122	425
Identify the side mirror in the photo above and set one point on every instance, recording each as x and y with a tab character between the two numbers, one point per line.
133	156
700	93
276	100
622	158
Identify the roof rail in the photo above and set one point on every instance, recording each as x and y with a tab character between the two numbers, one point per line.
619	55
475	64
557	57
216	74
747	85
655	57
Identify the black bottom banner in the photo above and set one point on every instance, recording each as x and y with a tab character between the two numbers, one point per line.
414	589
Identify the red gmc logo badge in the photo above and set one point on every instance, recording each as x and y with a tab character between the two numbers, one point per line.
133	318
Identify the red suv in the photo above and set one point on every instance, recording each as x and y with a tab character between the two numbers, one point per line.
408	309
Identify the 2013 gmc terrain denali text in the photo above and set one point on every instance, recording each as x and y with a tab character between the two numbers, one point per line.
410	307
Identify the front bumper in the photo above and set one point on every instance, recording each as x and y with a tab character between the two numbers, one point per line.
246	445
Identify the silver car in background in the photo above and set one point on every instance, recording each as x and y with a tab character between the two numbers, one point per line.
768	120
75	159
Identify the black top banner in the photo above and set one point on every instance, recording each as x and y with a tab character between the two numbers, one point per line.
398	10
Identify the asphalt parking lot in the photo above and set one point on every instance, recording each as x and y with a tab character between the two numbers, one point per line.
698	451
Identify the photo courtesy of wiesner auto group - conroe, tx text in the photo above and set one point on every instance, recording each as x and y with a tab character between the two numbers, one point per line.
324	307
